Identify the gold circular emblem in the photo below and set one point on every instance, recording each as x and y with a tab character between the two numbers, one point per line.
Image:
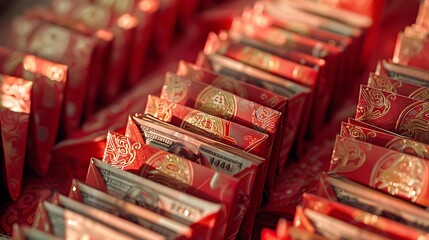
414	122
216	102
206	125
399	174
421	94
169	170
259	59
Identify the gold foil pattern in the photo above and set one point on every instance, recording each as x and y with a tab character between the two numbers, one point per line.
259	59
175	88
414	122
159	108
206	125
264	119
399	174
216	102
120	152
408	146
384	84
347	156
373	104
169	170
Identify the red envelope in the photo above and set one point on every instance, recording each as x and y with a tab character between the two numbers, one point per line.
65	46
253	93
243	166
395	113
296	94
223	104
299	49
398	87
49	80
329	227
186	209
15	107
306	76
207	125
377	224
145	12
396	173
172	171
416	76
386	140
411	50
122	26
342	190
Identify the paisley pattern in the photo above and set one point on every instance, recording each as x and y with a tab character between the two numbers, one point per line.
383	84
265	119
119	151
347	156
373	104
357	133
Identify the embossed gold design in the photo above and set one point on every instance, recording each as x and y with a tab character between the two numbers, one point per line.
408	146
159	108
414	122
357	133
421	94
206	125
231	85
383	84
270	102
264	119
119	152
216	102
259	59
373	104
50	42
175	88
15	94
347	156
55	73
169	170
399	174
